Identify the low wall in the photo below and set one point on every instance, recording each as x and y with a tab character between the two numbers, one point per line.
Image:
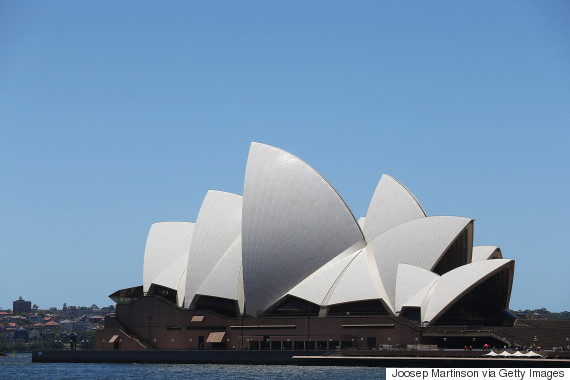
312	358
166	356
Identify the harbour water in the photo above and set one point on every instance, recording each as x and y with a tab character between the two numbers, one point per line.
21	367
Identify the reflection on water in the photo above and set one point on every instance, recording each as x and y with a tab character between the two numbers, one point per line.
21	367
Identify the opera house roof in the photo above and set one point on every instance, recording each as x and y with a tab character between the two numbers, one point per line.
291	245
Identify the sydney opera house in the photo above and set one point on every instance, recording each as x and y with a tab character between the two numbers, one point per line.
287	265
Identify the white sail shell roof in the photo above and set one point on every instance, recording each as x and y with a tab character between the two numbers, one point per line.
419	299
167	242
346	278
455	284
217	228
486	252
410	281
174	277
392	204
316	287
293	223
359	282
225	280
420	242
292	235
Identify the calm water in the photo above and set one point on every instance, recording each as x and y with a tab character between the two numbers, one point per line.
21	367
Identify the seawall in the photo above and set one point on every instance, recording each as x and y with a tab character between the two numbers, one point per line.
313	358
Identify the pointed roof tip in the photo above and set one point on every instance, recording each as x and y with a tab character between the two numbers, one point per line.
392	204
408	190
261	145
221	192
258	145
254	145
388	176
486	252
257	148
487	245
172	221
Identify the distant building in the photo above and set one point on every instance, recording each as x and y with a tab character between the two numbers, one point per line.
67	325
34	318
97	319
50	326
16	318
21	306
74	312
22	334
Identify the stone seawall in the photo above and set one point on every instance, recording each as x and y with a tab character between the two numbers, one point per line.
313	358
167	356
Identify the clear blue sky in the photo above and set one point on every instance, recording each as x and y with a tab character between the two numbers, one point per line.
115	115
